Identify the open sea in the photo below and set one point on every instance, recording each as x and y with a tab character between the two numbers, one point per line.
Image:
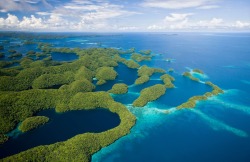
215	130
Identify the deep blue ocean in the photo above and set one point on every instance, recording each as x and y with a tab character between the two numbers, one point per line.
216	130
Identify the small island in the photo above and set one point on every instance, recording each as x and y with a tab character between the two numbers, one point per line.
198	71
189	75
149	94
138	57
119	88
32	123
142	79
145	52
167	80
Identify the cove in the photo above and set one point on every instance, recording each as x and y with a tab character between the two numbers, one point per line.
61	127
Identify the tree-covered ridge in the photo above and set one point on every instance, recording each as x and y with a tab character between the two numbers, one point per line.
138	57
145	52
144	73
145	70
149	94
142	79
191	103
119	88
105	73
32	123
167	80
198	71
189	75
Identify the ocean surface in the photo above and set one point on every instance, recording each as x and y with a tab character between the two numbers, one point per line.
215	130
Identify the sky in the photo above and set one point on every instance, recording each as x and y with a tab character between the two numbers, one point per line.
125	15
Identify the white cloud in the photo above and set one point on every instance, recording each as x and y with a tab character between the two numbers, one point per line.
240	24
156	27
3	10
176	4
207	7
23	5
177	17
213	23
182	22
32	1
11	20
126	28
32	23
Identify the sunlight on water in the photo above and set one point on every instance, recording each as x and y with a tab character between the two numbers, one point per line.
218	125
148	117
229	104
245	109
245	81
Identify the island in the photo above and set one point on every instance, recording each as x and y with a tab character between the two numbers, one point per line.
32	123
142	79
138	57
198	71
149	94
189	75
167	80
119	88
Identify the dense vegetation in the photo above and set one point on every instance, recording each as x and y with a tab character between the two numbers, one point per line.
25	91
142	79
3	138
119	88
189	75
198	71
167	80
138	57
145	52
106	73
129	63
145	70
32	123
191	103
149	94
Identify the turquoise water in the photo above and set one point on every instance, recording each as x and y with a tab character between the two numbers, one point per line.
216	130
